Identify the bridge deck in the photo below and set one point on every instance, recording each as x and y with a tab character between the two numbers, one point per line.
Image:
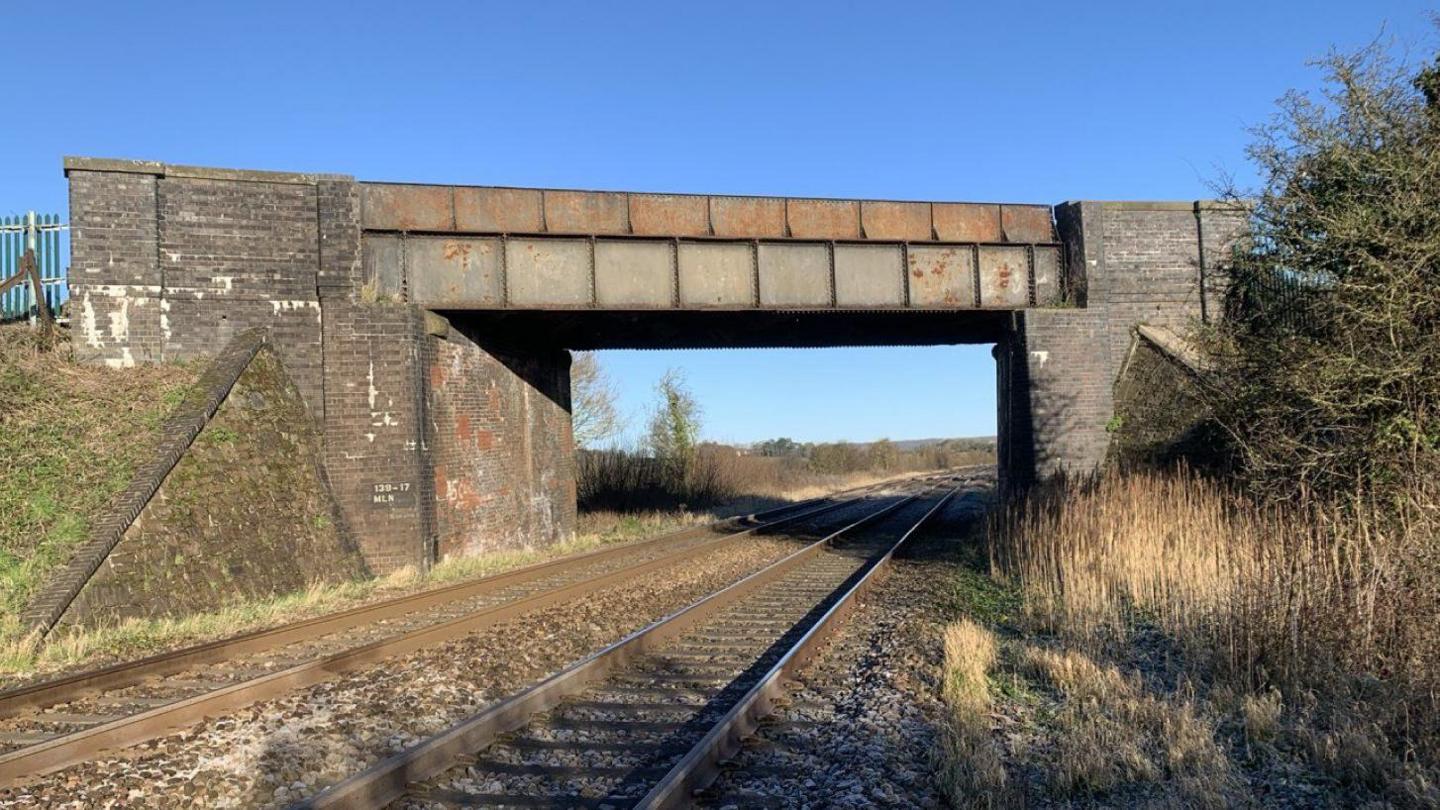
466	247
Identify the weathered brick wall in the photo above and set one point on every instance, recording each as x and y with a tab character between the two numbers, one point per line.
169	263
1055	394
499	435
374	448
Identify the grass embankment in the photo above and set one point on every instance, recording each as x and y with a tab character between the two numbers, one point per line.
71	435
1154	640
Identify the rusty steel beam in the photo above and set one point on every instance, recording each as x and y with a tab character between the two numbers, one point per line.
548	272
564	212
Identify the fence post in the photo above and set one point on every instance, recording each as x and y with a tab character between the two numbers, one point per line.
28	253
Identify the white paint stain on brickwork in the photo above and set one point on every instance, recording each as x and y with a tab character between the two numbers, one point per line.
280	306
1040	357
125	360
87	323
120	321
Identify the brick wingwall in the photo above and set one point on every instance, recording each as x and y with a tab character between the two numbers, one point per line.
1128	264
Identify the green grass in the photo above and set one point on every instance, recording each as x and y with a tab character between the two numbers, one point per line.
978	596
70	436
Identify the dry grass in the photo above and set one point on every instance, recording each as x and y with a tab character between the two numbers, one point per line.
1312	628
628	481
969	764
1110	732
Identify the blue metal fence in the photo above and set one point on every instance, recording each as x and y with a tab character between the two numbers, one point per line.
43	233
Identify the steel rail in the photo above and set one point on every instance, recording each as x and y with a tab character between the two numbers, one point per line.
388	779
699	767
79	746
129	673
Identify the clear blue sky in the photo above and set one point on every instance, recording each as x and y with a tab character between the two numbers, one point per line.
1032	102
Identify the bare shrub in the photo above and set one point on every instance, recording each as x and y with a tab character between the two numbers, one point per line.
594	418
1328	362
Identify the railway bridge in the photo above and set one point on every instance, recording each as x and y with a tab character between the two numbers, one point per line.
428	326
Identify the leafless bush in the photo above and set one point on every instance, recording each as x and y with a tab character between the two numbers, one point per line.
1328	362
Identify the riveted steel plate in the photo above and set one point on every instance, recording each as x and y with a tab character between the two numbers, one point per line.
384	263
748	217
498	210
453	272
1004	277
1026	223
634	274
715	274
942	276
794	275
967	222
669	215
869	276
1047	276
901	221
396	207
824	219
586	212
548	272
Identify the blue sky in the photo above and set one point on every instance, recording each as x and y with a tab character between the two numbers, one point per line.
1028	102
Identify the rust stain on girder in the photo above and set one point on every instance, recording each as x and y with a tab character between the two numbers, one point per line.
901	221
941	276
1026	223
967	222
669	215
584	212
1004	277
748	217
483	209
394	207
823	219
497	210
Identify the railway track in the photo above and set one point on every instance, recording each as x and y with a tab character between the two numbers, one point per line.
647	721
50	725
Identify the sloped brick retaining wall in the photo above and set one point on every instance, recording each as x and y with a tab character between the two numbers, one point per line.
244	514
176	435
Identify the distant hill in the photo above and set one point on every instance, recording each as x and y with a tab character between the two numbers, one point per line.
976	442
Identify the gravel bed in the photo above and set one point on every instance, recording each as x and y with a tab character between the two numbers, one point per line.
859	726
278	751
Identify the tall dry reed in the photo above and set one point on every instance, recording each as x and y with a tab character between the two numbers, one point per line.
1308	597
